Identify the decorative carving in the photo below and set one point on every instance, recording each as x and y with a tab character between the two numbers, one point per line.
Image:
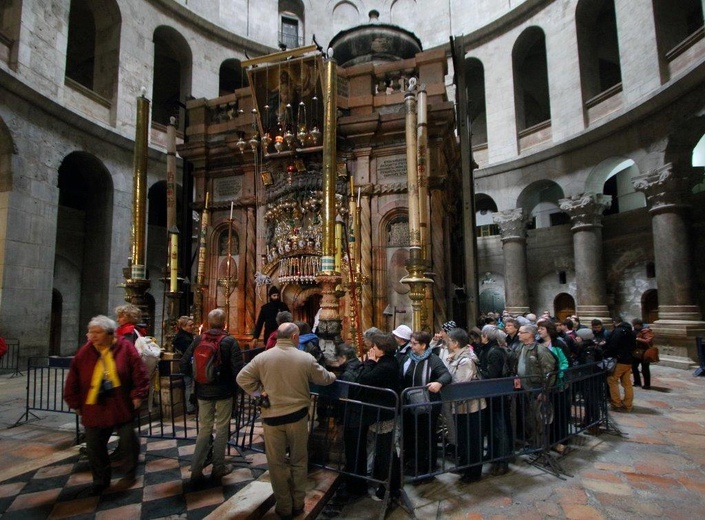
664	187
585	210
512	223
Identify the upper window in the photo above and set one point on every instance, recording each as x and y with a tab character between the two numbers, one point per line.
597	47
291	26
172	76
93	46
531	79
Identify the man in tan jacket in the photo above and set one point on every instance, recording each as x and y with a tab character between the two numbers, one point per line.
283	374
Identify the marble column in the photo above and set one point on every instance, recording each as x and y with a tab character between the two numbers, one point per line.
512	225
667	191
585	213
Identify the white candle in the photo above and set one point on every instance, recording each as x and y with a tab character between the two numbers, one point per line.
231	209
174	263
358	196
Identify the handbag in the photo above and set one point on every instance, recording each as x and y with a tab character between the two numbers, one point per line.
638	353
420	399
651	355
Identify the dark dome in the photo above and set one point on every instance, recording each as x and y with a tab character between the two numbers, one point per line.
374	42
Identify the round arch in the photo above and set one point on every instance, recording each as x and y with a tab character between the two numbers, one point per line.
84	241
613	176
539	200
563	306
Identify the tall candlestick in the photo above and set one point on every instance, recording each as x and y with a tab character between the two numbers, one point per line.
174	262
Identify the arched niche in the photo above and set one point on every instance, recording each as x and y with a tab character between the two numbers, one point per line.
614	177
540	201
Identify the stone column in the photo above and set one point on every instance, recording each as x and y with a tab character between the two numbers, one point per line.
512	225
586	216
667	191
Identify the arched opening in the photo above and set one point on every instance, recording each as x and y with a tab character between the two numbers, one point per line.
649	306
563	306
231	77
598	47
83	244
540	199
10	24
93	46
475	81
345	15
171	83
531	93
396	255
291	23
677	23
57	303
491	300
485	207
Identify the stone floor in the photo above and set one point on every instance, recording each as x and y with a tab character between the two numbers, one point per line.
657	470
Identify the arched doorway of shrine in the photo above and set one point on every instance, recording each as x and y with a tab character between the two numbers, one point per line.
563	306
649	306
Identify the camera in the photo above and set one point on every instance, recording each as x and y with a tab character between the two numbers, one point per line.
105	386
262	401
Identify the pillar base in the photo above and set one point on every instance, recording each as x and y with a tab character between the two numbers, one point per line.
587	313
517	311
675	340
679	313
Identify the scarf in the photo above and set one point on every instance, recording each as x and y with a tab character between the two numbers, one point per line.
418	359
105	369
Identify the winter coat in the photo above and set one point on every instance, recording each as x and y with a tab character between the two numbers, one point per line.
621	344
181	342
429	370
383	373
463	367
534	363
116	407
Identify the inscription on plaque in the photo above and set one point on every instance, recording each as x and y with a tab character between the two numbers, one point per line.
390	167
227	188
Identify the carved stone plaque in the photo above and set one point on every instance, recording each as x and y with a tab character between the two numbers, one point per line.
391	167
227	188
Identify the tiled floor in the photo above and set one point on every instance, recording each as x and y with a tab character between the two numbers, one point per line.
162	489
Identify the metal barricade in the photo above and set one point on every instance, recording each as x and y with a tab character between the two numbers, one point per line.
11	359
490	421
46	377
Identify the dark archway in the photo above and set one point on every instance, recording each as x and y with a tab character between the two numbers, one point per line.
563	306
649	306
83	243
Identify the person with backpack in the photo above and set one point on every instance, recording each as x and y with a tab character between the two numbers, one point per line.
308	342
213	360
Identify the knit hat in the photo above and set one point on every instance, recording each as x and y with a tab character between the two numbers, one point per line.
273	290
403	332
449	325
585	334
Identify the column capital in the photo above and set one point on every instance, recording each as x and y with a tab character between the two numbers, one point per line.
512	223
585	210
666	188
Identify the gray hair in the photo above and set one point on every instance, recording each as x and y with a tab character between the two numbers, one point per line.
284	317
493	333
530	327
103	322
216	319
459	335
129	311
371	332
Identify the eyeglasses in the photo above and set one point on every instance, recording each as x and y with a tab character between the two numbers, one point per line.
524	332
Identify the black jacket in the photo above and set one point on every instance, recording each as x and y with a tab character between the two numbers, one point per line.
383	373
231	364
492	361
411	375
268	318
182	341
621	344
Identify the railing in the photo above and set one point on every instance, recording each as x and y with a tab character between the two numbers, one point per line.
46	377
11	359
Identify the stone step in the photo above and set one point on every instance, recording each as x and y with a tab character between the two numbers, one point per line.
256	500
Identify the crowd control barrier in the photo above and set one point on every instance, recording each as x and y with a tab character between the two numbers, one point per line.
11	359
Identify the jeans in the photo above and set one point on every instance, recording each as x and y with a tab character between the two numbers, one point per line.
209	412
